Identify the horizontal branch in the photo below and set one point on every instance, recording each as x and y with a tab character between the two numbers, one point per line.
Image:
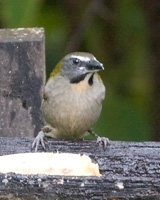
129	170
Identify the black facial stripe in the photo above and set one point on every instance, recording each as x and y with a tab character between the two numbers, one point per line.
90	81
78	78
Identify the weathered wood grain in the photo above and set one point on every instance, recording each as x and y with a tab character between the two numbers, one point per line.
129	171
22	76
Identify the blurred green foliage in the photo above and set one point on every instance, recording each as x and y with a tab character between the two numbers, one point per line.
115	32
20	13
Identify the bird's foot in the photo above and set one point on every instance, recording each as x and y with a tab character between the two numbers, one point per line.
39	140
103	141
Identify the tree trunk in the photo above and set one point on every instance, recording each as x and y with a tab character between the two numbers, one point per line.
152	12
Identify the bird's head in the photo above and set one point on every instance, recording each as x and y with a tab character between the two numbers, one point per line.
76	66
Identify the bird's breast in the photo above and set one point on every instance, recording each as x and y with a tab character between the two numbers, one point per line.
72	108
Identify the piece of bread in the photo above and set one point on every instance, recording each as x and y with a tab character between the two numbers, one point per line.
49	163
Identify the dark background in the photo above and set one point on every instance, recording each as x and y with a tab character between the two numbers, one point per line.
124	35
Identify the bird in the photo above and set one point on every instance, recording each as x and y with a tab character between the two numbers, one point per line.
72	99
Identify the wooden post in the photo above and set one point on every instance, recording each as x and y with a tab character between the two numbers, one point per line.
22	76
130	170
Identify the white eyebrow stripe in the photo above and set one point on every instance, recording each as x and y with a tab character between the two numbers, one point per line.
82	58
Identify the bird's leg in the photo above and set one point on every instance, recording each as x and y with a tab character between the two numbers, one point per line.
40	138
100	140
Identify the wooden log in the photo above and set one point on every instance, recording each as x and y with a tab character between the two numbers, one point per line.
22	76
130	170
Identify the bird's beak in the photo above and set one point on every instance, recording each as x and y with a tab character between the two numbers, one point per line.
94	66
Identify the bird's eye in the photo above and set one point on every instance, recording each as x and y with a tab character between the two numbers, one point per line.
76	61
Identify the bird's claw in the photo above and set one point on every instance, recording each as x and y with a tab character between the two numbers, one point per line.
103	141
39	140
